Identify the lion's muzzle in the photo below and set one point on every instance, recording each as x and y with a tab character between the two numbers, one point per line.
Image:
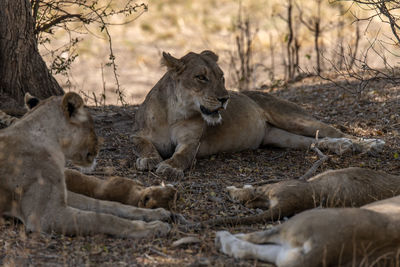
208	112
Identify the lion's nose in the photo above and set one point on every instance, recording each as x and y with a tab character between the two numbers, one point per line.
90	156
223	100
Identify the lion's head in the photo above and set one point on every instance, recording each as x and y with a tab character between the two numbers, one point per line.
161	196
200	84
79	143
78	139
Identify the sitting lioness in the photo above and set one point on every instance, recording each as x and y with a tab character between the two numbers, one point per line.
33	152
189	113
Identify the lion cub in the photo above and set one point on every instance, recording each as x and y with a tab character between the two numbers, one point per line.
190	113
33	152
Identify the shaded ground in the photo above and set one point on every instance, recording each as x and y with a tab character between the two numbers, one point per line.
375	113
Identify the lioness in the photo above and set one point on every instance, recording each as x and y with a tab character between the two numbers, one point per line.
33	152
187	114
126	191
349	187
366	236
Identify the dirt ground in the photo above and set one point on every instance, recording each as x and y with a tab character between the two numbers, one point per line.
374	113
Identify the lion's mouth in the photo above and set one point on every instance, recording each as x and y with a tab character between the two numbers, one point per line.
208	112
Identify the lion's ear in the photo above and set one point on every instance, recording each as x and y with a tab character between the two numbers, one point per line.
172	63
72	106
30	101
210	54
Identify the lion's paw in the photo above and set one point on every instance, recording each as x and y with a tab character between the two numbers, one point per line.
159	214
241	194
337	145
226	243
158	228
147	164
370	146
168	171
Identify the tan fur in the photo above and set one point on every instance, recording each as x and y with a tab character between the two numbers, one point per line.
187	114
350	187
126	191
324	237
118	189
33	152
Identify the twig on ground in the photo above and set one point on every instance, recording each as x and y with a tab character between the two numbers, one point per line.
155	251
315	166
194	161
240	204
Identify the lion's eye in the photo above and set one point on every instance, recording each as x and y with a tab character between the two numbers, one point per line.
145	200
202	78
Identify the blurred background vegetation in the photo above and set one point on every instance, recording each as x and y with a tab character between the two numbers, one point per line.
261	43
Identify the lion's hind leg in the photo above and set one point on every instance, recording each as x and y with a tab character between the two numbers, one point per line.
294	119
368	145
281	138
354	144
238	247
261	237
291	117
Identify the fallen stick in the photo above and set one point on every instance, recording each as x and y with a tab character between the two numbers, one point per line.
322	158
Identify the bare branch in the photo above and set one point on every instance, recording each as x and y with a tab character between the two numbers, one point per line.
56	21
322	158
51	15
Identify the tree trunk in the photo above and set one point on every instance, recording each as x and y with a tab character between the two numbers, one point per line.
22	69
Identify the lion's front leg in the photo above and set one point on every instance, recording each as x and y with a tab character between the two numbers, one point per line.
148	156
120	189
186	135
249	196
180	160
114	208
43	208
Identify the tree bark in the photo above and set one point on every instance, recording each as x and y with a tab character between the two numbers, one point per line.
22	69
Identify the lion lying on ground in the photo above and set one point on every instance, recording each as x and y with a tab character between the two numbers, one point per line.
33	152
366	236
350	187
126	191
187	114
